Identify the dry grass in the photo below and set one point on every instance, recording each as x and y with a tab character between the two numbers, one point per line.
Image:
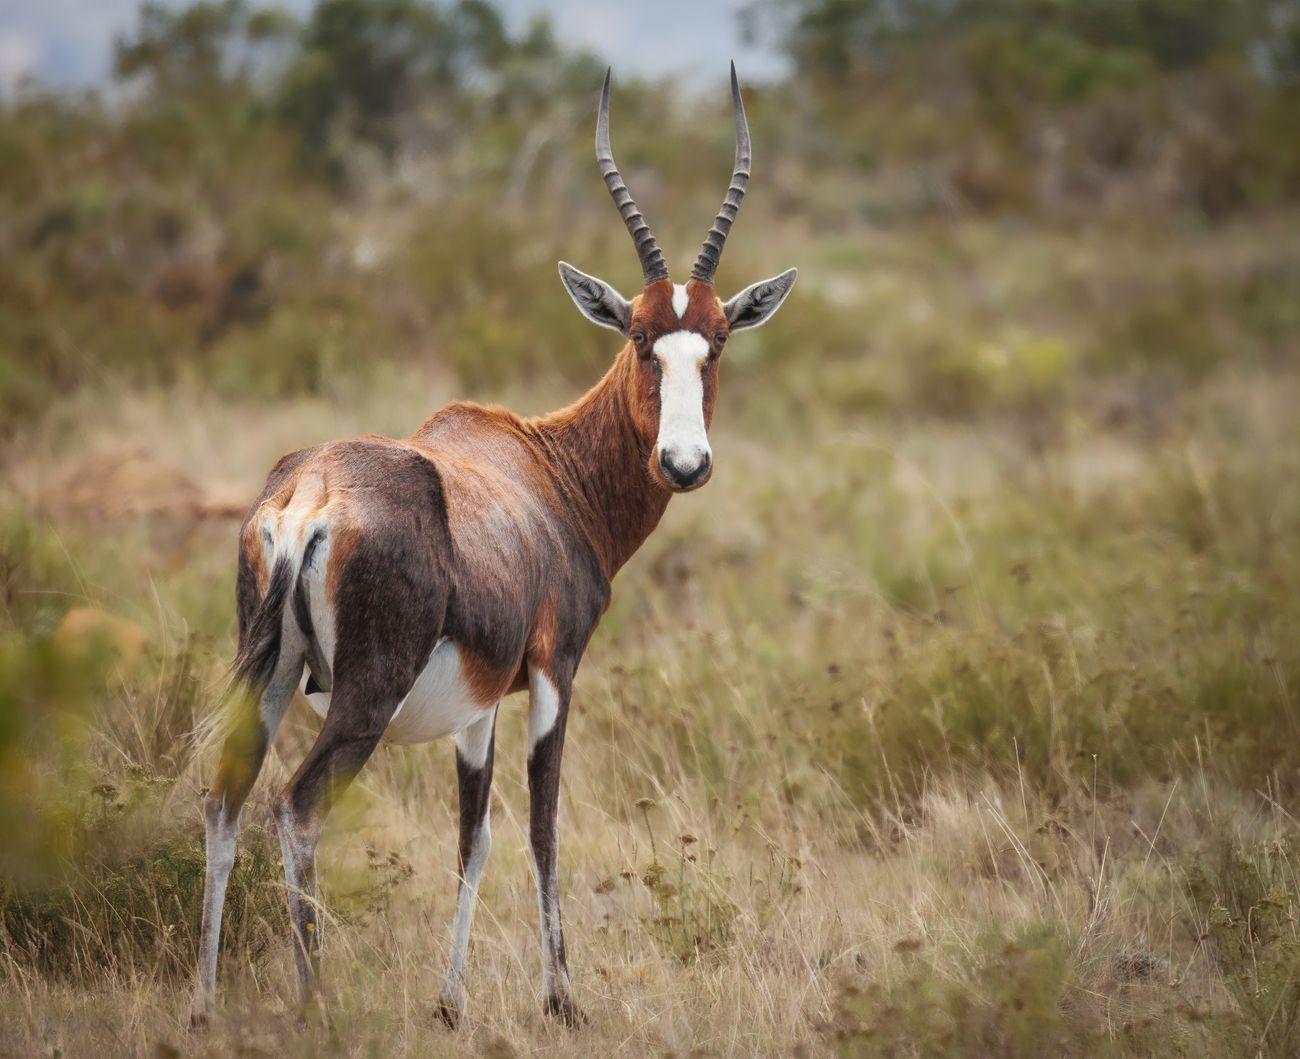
957	717
932	941
932	735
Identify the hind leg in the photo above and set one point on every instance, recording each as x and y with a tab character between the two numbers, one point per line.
353	727
474	754
241	761
547	717
388	607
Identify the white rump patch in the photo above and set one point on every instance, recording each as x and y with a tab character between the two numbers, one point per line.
680	299
440	703
313	576
681	397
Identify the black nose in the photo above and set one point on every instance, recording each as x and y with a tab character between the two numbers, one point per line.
684	477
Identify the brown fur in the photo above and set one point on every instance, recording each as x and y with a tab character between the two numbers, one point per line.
538	514
500	533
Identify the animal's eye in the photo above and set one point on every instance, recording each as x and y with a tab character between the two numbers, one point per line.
719	339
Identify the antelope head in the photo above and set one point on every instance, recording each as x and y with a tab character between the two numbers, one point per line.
677	331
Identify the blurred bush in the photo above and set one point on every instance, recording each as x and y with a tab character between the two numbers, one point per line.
1050	631
102	866
271	204
125	895
1065	107
1008	999
1246	898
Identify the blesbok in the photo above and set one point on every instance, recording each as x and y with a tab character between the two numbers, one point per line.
409	585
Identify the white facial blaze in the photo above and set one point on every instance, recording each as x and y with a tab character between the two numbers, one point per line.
682	436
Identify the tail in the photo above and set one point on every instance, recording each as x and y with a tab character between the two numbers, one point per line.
238	723
272	641
259	653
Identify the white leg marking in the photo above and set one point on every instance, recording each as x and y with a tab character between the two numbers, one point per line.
298	851
472	741
548	916
548	966
472	746
543	706
221	829
465	901
220	838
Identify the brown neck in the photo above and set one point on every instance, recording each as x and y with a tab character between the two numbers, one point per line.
603	465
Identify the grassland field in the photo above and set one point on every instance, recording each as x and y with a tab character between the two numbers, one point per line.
958	715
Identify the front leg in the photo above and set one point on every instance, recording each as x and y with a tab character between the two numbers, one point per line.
474	753
548	714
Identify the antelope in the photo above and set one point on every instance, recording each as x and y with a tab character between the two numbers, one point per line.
408	586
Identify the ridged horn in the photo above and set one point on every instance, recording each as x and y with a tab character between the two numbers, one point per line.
707	263
651	257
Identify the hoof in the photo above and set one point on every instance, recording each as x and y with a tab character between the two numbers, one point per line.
200	1013
313	1011
449	1013
562	1007
452	1002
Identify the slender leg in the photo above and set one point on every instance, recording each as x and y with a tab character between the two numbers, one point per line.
475	748
349	736
548	713
241	761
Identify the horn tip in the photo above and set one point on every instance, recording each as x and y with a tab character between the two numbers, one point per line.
602	118
735	88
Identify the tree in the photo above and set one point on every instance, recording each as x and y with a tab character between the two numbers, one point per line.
205	47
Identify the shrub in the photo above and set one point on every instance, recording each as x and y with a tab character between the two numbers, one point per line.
125	895
1246	898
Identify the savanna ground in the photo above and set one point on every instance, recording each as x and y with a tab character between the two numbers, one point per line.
956	716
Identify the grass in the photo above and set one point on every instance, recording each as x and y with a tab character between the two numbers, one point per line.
956	717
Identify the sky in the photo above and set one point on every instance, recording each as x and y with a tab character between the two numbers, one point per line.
68	43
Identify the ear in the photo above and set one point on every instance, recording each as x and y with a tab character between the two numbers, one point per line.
600	303
756	303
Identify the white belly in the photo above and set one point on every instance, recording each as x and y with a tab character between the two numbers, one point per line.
439	704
